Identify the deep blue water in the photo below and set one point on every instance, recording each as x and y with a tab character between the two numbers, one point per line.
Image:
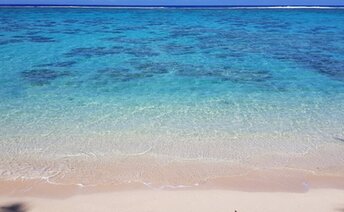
192	84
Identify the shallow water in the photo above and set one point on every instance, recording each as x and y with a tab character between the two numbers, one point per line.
257	88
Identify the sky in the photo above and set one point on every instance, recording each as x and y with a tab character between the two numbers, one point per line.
177	2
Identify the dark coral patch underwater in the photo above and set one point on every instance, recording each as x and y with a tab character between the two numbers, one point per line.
10	41
179	49
120	75
141	51
40	39
137	51
41	77
59	64
94	51
151	67
27	38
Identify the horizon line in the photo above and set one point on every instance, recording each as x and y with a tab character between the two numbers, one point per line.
171	6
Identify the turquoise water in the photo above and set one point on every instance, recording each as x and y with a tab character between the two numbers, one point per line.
236	86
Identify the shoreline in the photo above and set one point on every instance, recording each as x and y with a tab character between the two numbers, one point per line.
271	181
85	174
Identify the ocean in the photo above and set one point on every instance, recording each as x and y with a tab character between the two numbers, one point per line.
101	95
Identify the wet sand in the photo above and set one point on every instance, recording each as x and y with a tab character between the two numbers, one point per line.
178	186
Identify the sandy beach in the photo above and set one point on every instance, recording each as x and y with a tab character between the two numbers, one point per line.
283	189
324	200
254	192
